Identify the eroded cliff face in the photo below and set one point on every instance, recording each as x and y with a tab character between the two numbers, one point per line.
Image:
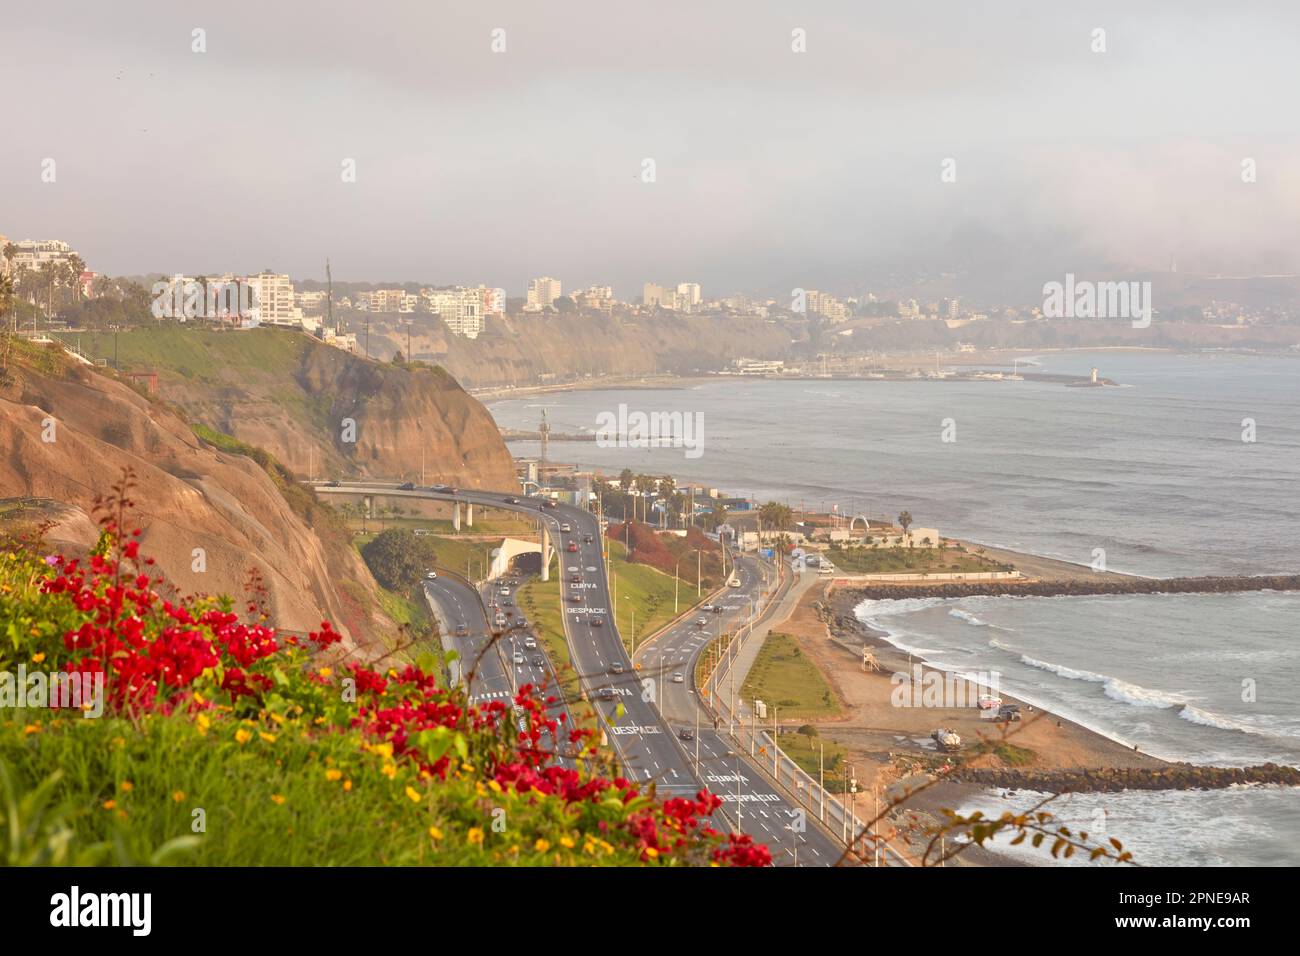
411	422
326	413
528	350
67	435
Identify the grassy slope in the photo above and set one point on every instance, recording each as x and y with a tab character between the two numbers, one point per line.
884	560
783	676
649	591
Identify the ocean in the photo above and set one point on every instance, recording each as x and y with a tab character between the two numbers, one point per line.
1153	475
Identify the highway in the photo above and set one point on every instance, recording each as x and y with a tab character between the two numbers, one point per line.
754	804
647	750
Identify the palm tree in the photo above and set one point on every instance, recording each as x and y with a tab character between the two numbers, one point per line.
905	520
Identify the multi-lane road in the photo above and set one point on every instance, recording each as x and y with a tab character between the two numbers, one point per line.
724	765
650	714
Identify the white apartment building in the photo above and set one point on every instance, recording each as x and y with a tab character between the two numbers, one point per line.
688	294
384	300
34	253
542	292
273	300
461	310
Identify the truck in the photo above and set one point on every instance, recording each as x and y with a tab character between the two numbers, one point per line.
947	740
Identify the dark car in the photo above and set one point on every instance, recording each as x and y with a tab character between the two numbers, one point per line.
576	599
607	693
539	661
332	483
406	486
586	539
512	500
550	503
686	734
1009	712
616	667
597	621
575	578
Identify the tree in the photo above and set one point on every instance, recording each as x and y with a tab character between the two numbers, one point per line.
397	558
625	479
776	516
905	520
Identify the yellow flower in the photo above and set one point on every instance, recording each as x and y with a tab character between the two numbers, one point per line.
325	671
541	846
277	799
413	794
269	738
496	787
566	842
435	833
390	770
127	786
333	775
109	804
198	698
203	722
651	852
178	796
243	736
32	729
476	835
37	658
347	785
384	750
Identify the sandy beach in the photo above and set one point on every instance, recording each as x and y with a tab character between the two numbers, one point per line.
885	743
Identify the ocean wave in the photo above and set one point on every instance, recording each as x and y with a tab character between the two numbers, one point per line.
1208	718
1119	690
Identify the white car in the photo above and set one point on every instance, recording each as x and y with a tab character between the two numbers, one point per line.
429	575
530	643
519	658
565	528
679	678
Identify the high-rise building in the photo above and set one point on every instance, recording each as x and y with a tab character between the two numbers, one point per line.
273	302
542	292
34	253
688	294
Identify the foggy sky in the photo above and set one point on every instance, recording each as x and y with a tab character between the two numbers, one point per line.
775	169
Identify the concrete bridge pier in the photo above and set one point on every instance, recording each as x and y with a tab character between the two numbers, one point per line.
469	514
455	517
546	553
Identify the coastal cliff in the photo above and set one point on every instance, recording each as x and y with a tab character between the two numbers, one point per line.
66	436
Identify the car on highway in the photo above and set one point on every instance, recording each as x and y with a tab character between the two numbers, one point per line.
586	539
406	486
702	622
530	642
686	733
566	527
519	658
332	483
575	578
504	592
597	622
461	630
576	599
707	607
573	546
616	667
607	693
430	575
550	503
512	500
539	661
522	622
443	489
679	678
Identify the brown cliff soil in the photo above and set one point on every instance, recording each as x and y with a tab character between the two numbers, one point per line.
290	394
66	435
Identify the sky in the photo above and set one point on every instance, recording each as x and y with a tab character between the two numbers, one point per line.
772	168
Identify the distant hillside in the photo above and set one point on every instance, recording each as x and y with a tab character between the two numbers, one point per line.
292	395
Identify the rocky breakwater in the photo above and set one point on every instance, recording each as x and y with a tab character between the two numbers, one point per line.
1202	585
1176	776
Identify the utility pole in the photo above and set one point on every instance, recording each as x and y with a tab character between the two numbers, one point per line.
329	304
